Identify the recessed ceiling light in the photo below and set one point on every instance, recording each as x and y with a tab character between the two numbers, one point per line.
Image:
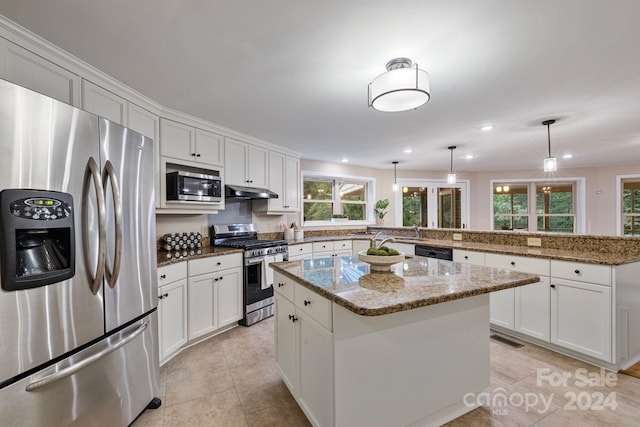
567	156
468	156
345	160
487	127
408	151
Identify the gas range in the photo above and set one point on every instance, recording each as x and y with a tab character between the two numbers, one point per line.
245	236
258	277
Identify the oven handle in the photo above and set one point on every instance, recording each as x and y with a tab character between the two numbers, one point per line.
260	259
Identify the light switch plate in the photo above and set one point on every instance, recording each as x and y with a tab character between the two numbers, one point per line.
534	241
457	236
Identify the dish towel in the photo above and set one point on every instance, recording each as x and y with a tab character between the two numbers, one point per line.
267	273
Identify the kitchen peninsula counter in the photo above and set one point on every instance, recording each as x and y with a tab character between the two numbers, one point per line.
389	349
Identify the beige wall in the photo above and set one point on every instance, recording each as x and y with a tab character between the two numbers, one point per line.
600	189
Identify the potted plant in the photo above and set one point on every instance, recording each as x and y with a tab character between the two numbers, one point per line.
381	210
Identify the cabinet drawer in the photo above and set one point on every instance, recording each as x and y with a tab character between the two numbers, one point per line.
518	263
342	245
314	305
471	257
283	285
214	264
592	273
171	273
301	249
322	246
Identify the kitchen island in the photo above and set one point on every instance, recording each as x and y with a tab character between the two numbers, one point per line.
397	348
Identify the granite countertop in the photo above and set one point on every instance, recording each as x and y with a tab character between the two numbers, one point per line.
207	251
529	251
416	282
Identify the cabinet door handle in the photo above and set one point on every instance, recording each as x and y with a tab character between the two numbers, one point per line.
216	279
218	264
194	154
307	302
553	286
280	285
163	296
577	271
221	277
466	257
286	206
198	155
164	276
294	319
513	264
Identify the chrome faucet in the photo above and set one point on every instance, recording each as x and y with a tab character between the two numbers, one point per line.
415	227
388	239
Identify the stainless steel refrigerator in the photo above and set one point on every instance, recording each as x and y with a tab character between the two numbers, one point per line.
78	321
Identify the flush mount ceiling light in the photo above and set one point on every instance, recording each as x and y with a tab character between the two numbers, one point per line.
451	178
403	87
550	163
395	176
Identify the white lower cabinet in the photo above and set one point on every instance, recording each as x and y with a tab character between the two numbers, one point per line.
581	317
300	251
532	312
524	309
215	300
316	361
172	318
172	309
332	248
304	349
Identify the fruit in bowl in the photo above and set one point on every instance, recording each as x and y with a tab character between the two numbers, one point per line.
381	259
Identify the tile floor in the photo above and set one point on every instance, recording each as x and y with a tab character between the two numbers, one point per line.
231	380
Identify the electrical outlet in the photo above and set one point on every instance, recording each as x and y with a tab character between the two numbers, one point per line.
457	236
204	230
534	241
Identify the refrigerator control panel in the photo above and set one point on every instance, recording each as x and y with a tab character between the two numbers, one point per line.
38	240
39	208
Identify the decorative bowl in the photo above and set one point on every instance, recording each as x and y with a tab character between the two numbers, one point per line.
380	263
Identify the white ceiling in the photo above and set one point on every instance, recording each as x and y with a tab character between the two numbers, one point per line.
295	72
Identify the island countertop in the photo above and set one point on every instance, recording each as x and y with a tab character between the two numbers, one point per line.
416	282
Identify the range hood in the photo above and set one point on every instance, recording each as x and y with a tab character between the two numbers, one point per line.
240	192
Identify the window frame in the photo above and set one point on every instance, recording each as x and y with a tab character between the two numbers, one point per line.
369	202
579	205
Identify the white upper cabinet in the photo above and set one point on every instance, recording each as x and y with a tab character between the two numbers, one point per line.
27	69
148	124
105	104
183	142
245	164
284	179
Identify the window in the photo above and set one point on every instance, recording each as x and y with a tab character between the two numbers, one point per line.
631	208
548	206
510	207
433	204
336	199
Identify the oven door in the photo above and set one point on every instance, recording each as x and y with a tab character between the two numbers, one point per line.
255	297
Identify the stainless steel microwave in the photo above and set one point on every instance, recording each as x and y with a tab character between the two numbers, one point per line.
195	187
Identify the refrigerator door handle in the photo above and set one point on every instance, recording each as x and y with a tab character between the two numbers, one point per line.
91	173
110	173
72	369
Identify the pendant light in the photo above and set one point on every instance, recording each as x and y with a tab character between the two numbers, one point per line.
403	87
451	178
550	163
395	176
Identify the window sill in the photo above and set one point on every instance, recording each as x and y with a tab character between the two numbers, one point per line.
339	223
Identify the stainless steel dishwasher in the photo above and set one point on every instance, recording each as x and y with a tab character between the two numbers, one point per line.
434	252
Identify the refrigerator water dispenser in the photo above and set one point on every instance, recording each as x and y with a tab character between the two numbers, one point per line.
36	228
